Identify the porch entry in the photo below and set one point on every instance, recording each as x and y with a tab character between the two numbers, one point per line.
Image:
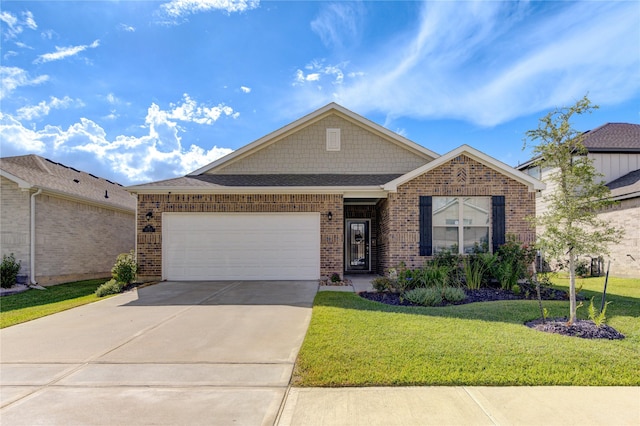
357	245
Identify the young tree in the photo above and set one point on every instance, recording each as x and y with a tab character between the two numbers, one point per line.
576	192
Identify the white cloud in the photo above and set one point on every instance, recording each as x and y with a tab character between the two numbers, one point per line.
245	89
126	28
318	71
64	52
127	159
189	110
181	8
12	77
337	22
43	108
500	61
15	25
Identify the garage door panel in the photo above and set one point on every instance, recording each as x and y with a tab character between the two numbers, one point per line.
241	246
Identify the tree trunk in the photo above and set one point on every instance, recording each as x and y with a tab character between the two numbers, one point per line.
572	288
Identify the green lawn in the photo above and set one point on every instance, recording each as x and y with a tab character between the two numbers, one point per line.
355	342
33	304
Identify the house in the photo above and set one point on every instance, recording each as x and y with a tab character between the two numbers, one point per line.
329	193
62	224
615	151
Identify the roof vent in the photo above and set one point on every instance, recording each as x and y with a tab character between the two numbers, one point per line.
333	139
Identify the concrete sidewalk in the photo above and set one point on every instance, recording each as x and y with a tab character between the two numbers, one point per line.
404	406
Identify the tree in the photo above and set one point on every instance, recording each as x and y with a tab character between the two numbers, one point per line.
570	224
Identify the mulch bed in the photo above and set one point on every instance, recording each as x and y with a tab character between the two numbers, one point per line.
480	295
581	328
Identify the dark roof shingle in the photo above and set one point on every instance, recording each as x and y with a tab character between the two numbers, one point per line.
617	137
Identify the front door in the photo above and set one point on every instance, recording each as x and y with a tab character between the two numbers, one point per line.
357	245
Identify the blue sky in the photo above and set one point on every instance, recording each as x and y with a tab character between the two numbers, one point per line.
136	91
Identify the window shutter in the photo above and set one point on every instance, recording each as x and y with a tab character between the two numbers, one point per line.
426	233
499	221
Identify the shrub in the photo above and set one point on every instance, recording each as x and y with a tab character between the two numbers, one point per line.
424	296
598	318
477	268
9	271
335	277
434	296
513	262
446	258
110	287
453	294
125	268
382	284
431	275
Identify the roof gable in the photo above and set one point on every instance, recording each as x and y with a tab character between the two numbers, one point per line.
473	153
32	171
300	148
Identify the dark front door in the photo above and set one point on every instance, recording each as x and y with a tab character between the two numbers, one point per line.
357	245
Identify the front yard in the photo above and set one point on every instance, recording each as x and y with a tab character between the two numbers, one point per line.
356	342
32	304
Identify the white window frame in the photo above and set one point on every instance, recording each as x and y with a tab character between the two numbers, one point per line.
460	224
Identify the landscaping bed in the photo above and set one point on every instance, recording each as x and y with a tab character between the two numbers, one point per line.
472	296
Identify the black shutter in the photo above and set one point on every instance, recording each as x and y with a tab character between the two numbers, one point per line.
499	221
426	234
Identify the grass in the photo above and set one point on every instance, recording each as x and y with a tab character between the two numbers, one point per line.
32	304
356	342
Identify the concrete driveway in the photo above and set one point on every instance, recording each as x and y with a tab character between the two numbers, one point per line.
172	353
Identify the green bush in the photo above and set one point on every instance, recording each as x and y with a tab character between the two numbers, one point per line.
477	269
424	296
431	275
382	284
434	296
453	294
9	271
125	268
513	261
110	287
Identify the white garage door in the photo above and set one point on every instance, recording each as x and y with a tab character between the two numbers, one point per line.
239	246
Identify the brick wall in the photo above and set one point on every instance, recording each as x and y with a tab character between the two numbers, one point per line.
15	223
305	151
150	243
78	241
462	176
625	215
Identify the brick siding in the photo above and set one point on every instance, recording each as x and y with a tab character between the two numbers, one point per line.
77	241
462	176
15	223
150	243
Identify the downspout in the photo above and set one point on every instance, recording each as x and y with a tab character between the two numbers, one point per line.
32	256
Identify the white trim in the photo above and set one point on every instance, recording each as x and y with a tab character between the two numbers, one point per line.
352	192
23	184
532	183
32	238
308	120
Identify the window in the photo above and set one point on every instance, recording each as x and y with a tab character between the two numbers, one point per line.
460	223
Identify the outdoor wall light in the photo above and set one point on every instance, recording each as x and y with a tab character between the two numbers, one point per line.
149	216
330	215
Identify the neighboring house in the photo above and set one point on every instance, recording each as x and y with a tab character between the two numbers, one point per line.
62	224
330	192
615	150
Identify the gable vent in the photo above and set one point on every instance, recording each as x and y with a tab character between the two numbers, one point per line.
333	139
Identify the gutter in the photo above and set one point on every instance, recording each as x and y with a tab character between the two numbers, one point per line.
32	257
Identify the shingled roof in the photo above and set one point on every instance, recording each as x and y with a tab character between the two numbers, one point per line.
613	137
33	171
625	186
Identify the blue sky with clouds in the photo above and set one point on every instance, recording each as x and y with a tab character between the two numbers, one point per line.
136	91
